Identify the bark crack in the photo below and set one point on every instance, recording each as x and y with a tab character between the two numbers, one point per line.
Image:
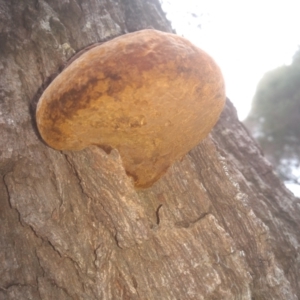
17	284
9	200
187	224
157	214
84	193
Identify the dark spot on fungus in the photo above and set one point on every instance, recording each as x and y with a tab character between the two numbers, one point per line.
112	76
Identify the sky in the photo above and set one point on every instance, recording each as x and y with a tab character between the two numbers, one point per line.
246	38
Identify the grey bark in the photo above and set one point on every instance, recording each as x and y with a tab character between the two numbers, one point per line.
218	225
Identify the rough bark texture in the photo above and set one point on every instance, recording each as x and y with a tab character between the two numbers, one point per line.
218	225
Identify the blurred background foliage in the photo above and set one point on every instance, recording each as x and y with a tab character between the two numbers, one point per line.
274	119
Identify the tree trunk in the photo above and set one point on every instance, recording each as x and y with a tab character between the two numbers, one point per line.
218	225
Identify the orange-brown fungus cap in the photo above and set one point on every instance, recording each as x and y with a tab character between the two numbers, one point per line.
151	95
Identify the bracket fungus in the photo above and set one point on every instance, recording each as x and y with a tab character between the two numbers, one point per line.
151	95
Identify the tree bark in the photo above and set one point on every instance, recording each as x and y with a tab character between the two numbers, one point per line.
218	225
